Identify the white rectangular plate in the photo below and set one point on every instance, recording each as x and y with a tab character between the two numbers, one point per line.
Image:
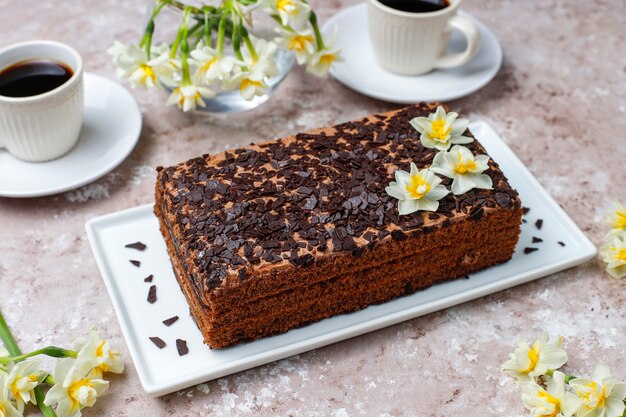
164	371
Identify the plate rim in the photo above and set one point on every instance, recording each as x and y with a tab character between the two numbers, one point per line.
411	100
105	169
586	251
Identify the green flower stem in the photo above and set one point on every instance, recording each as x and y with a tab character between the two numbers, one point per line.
568	377
14	350
53	351
319	40
237	42
221	29
49	380
184	46
280	22
146	40
248	42
208	28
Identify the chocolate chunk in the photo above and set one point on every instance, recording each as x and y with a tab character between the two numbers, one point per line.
137	245
477	214
136	263
152	296
158	342
148	278
398	235
530	250
525	210
539	223
561	243
503	199
181	346
358	252
170	321
536	239
310	204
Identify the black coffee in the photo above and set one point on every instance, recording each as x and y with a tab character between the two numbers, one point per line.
416	6
29	78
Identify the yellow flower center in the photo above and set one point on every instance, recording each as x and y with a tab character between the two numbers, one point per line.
299	42
533	356
205	67
417	187
551	400
620	254
100	350
438	130
327	59
148	72
620	220
283	5
3	412
247	82
462	167
74	391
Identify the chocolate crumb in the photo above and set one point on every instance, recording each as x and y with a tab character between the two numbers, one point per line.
561	243
539	223
466	277
148	278
158	342
524	221
525	210
398	235
137	245
181	346
536	239
136	263
530	250
170	321
152	297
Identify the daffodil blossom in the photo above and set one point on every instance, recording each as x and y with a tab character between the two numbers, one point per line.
617	218
7	409
416	190
554	401
23	378
133	64
74	390
252	84
464	168
527	362
614	255
264	62
440	130
602	396
99	352
302	43
167	69
290	12
211	66
188	97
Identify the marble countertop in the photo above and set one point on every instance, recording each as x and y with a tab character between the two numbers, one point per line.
559	102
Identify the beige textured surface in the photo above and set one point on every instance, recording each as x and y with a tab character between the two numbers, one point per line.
560	103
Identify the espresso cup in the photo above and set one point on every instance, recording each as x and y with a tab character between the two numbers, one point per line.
44	126
410	43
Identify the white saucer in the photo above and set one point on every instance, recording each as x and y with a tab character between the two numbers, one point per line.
111	128
360	71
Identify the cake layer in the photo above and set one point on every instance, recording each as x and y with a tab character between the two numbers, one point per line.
253	231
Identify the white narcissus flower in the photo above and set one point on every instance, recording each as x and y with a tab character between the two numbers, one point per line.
73	390
133	64
602	396
302	43
253	84
617	218
614	255
22	379
440	130
7	409
416	190
554	401
211	66
464	168
167	69
526	362
99	352
188	97
291	12
265	61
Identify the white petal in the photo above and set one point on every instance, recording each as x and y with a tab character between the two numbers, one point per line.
482	181
459	127
461	184
442	146
396	191
437	193
441	171
461	140
428	205
440	113
414	171
407	207
427	142
402	177
420	124
601	371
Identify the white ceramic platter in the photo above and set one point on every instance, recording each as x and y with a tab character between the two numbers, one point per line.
111	128
360	71
164	371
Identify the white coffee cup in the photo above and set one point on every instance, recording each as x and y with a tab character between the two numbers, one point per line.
415	43
44	126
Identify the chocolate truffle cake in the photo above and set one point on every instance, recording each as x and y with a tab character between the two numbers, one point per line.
284	233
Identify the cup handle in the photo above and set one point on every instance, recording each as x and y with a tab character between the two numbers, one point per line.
471	33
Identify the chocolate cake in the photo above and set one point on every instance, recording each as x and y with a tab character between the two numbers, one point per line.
284	233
